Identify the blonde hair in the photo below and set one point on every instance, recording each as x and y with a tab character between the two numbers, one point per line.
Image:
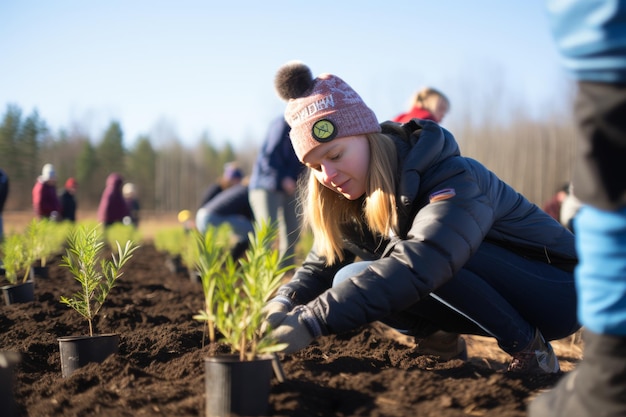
326	211
424	98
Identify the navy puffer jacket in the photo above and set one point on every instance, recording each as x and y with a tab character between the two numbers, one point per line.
437	236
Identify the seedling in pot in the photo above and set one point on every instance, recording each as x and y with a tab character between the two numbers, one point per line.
17	259
97	276
236	291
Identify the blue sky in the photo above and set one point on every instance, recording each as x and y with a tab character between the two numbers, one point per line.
183	68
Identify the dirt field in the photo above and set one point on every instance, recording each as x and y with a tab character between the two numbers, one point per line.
159	370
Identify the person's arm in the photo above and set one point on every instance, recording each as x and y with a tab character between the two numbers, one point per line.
442	237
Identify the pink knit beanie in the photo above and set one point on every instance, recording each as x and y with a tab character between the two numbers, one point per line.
321	109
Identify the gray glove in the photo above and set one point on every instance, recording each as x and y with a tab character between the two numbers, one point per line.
297	330
275	312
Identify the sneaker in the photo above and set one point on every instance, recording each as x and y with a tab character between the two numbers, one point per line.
446	345
537	358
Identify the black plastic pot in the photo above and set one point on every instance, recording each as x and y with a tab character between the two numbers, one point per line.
234	387
78	351
8	361
18	293
38	272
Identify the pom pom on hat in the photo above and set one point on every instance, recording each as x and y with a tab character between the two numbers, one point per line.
320	109
293	80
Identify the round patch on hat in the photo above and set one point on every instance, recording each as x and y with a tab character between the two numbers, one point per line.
324	130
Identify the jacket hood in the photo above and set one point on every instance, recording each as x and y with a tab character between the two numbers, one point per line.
114	180
421	144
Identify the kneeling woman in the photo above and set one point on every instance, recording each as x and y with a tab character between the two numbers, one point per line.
446	247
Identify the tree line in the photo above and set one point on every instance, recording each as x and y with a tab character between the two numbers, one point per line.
535	157
168	178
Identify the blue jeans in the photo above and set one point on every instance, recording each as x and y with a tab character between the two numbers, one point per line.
497	293
601	273
240	225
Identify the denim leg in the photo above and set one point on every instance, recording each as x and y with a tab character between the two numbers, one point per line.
424	317
497	293
201	220
241	226
509	296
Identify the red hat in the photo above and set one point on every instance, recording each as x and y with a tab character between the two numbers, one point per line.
71	183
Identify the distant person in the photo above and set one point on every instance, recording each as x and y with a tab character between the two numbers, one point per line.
132	201
233	207
68	200
569	208
112	207
232	175
553	205
4	193
273	184
45	200
428	104
591	40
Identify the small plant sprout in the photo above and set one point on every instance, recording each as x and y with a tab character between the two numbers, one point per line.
96	276
236	291
212	253
17	257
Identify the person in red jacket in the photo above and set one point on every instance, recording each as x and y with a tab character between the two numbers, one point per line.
429	104
45	201
113	207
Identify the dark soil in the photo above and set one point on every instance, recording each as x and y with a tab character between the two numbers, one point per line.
159	369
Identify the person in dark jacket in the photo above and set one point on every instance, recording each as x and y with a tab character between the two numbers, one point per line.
4	193
273	184
232	175
445	247
591	39
112	207
233	207
68	200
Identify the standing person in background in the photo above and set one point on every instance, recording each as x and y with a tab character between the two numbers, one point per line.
45	201
429	104
273	186
132	201
112	207
68	200
232	175
591	38
4	192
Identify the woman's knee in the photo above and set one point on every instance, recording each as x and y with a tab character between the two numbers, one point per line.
350	271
